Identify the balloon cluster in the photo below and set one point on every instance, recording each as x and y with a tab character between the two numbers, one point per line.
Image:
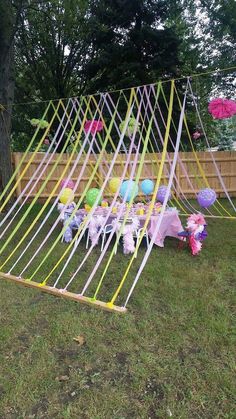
129	189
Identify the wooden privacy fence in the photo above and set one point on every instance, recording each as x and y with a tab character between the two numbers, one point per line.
225	160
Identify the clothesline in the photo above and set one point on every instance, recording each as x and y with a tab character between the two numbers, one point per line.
194	75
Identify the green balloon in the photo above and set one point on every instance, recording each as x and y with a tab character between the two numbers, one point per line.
92	195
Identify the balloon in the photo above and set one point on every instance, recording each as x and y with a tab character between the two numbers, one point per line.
92	195
147	186
206	197
161	193
129	187
67	183
114	184
66	196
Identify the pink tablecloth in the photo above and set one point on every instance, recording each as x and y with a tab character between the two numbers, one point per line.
170	225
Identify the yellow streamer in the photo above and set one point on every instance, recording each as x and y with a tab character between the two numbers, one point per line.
198	161
154	193
74	212
132	198
157	161
38	194
22	160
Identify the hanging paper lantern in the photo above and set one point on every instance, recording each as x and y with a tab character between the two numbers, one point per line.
114	184
161	193
43	124
132	126
67	183
92	195
34	122
206	197
222	108
147	186
39	123
93	126
129	187
66	196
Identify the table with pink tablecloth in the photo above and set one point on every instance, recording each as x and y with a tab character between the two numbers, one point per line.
170	224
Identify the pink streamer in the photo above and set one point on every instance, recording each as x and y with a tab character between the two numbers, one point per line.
40	170
110	209
149	249
120	211
53	206
211	154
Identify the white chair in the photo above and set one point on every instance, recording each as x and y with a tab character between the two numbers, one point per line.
120	233
138	234
105	230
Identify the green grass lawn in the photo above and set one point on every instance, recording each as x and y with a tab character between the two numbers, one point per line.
171	355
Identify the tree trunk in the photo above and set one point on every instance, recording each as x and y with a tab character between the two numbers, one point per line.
6	92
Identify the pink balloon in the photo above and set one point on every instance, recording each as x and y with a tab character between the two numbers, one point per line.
67	183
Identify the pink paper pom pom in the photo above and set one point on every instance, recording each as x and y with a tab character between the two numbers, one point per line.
222	108
93	126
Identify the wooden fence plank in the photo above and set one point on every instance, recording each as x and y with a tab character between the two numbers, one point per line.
226	162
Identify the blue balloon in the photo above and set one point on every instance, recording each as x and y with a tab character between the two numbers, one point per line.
129	187
147	186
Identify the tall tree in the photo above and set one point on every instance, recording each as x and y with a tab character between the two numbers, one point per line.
51	50
8	18
130	44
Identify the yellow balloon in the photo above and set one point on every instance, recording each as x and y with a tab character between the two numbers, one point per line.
66	196
114	184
